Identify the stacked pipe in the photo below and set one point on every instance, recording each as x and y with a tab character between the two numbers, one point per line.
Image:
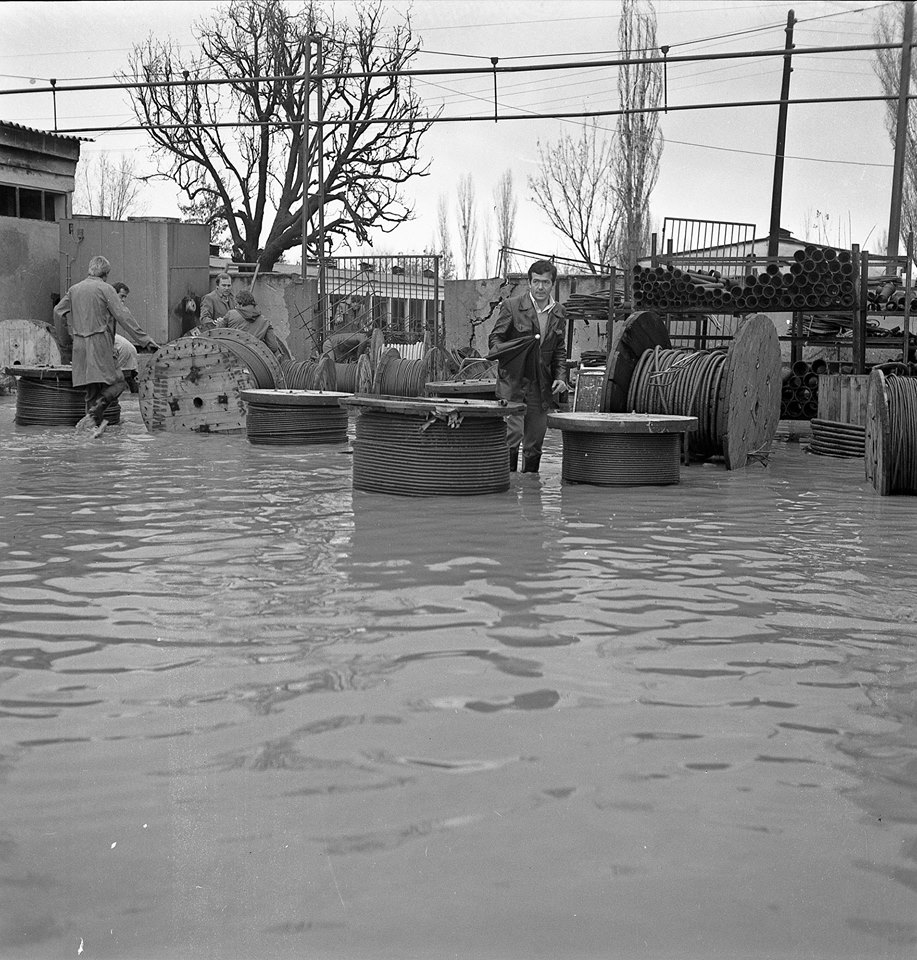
799	396
591	307
815	278
886	294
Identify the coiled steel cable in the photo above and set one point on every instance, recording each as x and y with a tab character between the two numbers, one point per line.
299	374
411	456
404	378
55	403
682	383
902	417
346	377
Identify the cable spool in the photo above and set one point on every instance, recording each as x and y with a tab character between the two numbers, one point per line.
346	377
46	397
310	374
295	417
891	433
621	449
255	355
194	384
735	397
426	448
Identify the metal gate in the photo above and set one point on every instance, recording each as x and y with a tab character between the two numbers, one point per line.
708	244
400	295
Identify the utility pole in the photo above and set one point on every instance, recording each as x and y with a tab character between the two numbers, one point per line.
320	144
304	155
773	238
904	87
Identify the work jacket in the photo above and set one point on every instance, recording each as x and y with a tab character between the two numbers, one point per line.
93	306
214	308
249	319
517	318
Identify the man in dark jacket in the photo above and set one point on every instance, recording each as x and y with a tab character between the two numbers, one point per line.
216	304
539	384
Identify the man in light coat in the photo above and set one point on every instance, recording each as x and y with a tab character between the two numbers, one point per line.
535	313
92	310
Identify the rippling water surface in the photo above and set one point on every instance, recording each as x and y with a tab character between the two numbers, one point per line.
246	712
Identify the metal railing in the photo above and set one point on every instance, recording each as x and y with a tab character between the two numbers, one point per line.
400	295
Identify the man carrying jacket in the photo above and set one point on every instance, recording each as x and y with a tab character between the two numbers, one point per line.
535	313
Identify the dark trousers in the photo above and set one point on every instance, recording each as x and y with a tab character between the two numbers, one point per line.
527	430
100	395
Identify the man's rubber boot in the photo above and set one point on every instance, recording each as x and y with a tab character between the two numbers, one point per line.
531	463
513	459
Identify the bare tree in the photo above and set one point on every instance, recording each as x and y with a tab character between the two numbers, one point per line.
506	205
887	65
638	143
487	242
467	224
255	162
575	190
107	186
208	209
444	239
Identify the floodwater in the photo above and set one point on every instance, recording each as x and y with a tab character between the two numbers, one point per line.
246	712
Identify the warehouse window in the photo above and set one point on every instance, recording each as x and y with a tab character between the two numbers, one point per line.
7	201
28	204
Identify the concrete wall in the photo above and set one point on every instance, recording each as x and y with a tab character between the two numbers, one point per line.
471	308
28	269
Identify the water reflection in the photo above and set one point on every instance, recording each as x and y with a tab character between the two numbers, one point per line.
248	711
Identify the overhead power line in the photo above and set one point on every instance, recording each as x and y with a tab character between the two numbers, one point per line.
459	71
488	118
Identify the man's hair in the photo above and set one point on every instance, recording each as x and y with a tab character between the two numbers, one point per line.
541	267
244	298
99	267
223	276
121	287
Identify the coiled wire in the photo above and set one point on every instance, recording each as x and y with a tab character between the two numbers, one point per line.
55	403
346	377
404	378
902	428
682	383
299	374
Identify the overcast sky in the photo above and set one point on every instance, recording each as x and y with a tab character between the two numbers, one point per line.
717	164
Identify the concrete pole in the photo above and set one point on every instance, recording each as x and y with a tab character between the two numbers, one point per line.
777	195
904	87
304	159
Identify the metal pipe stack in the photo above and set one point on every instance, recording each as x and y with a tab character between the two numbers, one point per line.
815	278
799	396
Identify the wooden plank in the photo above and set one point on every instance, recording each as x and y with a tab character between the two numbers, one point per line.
842	397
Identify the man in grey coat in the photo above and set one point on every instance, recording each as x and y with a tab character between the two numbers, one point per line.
92	310
535	313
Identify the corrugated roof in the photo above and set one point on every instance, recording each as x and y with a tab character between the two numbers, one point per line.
47	133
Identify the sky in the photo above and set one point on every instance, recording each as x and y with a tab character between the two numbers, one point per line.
717	164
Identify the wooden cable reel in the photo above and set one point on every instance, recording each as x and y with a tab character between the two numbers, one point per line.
891	433
745	410
257	356
195	384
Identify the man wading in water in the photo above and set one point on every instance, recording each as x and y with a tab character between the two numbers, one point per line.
537	383
92	310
